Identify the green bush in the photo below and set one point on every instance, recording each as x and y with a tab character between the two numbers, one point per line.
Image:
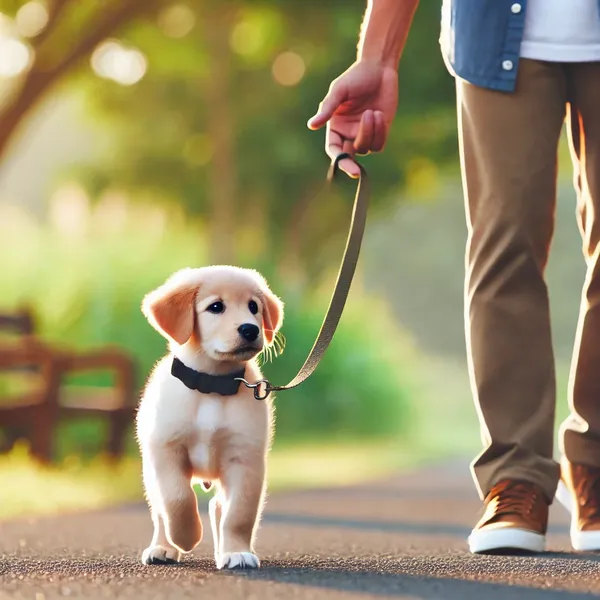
86	290
363	385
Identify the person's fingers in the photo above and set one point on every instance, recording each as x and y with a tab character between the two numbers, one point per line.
348	147
364	137
347	165
334	142
379	132
328	106
350	168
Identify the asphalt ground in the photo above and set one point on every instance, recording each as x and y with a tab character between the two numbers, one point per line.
404	537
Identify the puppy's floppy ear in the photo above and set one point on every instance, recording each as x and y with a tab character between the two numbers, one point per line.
170	309
272	314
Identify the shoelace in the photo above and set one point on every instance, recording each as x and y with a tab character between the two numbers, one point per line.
514	497
588	491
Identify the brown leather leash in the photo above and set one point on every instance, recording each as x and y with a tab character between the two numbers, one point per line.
264	387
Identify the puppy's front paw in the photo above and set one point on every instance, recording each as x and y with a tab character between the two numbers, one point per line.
238	560
160	555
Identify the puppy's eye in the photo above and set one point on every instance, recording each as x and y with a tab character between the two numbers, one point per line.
253	307
216	308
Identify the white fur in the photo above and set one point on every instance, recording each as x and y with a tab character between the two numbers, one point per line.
239	560
185	436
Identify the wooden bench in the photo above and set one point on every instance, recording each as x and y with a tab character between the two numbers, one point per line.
34	413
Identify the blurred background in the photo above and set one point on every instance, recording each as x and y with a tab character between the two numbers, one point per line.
138	137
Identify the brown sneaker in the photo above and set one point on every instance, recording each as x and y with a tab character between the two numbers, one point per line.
515	519
579	492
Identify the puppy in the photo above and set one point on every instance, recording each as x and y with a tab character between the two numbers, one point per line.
216	320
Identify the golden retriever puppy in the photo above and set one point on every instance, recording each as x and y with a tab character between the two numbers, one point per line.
196	423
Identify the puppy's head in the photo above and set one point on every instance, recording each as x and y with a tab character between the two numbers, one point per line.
228	313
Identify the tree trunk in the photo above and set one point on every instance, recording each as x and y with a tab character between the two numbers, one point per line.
42	76
11	117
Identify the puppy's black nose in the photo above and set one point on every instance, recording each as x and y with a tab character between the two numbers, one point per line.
249	332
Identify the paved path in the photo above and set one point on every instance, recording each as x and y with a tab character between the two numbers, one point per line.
401	538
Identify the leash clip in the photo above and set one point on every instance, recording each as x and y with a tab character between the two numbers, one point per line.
258	394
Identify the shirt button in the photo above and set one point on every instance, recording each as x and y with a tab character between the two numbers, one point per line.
507	65
516	8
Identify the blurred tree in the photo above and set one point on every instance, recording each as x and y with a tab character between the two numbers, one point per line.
208	102
217	124
42	42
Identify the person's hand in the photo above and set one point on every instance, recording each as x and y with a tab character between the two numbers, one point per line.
358	111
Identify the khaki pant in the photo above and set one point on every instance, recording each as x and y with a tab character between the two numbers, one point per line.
508	148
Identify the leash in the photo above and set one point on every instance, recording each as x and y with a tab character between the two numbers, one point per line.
264	387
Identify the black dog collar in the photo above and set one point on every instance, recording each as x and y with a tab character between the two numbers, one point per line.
224	385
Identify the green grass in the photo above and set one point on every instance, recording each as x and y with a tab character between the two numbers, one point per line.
34	490
75	485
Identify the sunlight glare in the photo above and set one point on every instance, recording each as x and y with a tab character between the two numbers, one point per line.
31	19
246	38
288	68
70	210
111	213
15	57
177	20
112	60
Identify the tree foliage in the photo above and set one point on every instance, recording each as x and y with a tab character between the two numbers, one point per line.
72	31
217	124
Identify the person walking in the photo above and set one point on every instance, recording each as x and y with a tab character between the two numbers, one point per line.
522	67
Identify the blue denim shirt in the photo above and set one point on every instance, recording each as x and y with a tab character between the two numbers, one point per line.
481	40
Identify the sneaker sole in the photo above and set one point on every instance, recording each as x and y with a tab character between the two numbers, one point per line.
582	541
506	541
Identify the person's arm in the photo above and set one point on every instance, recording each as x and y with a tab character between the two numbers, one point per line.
385	30
361	103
